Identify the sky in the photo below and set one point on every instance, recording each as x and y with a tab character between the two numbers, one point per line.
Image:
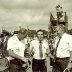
33	14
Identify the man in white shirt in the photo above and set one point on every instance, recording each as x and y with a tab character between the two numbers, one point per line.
63	49
40	49
16	51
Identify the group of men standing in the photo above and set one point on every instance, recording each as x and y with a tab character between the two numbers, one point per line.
39	50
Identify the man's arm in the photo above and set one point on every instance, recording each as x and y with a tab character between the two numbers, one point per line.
31	51
70	50
49	54
70	56
70	61
12	54
70	47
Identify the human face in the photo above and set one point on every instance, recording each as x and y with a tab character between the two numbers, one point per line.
59	31
22	36
40	35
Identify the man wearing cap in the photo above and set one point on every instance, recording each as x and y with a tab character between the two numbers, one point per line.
16	51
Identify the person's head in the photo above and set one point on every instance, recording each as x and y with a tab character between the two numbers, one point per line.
40	35
2	37
22	34
5	33
60	29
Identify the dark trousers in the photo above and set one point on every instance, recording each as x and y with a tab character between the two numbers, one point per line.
60	64
6	70
39	66
15	65
16	70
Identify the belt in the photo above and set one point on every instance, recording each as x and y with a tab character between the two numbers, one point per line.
39	59
57	58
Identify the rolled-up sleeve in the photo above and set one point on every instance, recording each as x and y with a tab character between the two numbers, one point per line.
70	43
9	45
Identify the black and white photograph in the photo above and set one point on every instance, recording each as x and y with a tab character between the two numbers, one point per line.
35	35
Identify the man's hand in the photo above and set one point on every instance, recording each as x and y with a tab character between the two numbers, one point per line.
69	66
24	59
32	53
26	65
50	55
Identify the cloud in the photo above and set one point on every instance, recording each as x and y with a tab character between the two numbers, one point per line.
35	4
35	13
15	18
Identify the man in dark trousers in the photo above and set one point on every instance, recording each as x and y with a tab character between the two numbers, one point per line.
63	50
16	52
40	49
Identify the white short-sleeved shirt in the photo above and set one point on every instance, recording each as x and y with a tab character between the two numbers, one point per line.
35	47
16	46
64	47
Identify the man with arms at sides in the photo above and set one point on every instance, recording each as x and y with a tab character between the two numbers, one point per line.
63	49
16	51
40	49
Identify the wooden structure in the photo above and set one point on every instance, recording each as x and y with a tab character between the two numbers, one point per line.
60	18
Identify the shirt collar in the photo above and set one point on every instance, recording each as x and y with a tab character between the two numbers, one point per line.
38	40
16	37
63	34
